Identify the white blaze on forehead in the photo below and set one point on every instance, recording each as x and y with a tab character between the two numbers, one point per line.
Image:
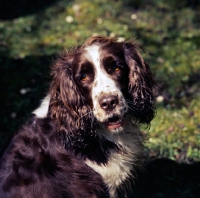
94	55
102	82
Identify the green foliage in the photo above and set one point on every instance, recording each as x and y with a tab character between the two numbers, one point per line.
175	133
169	31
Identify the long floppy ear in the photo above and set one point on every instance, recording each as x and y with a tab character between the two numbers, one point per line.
67	106
141	85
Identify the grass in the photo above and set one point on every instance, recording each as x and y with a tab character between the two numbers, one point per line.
169	31
175	133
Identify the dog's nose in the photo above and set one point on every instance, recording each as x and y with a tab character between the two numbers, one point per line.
108	102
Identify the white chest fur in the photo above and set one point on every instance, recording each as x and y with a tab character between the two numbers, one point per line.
121	164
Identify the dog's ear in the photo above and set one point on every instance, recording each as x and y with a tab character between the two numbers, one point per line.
141	85
67	106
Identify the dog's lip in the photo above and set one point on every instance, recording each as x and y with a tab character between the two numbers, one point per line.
114	123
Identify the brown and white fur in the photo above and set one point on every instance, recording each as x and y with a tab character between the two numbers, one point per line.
98	95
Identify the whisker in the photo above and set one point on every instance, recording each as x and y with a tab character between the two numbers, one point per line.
85	114
131	106
134	110
129	101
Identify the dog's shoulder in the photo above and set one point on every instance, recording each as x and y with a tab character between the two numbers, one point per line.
36	159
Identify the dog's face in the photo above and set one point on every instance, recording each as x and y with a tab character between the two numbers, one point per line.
101	73
105	79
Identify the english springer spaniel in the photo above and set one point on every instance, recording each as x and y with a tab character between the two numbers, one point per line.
84	141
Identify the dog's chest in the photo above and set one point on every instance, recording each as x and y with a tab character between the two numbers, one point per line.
117	170
120	164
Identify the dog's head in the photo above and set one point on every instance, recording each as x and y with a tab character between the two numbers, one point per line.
101	82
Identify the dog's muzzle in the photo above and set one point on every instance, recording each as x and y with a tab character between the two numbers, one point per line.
109	103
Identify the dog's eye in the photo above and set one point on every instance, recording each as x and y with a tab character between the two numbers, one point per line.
116	68
84	77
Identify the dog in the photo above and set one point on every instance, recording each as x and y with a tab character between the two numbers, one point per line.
84	140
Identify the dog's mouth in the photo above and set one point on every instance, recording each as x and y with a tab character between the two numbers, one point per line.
114	123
